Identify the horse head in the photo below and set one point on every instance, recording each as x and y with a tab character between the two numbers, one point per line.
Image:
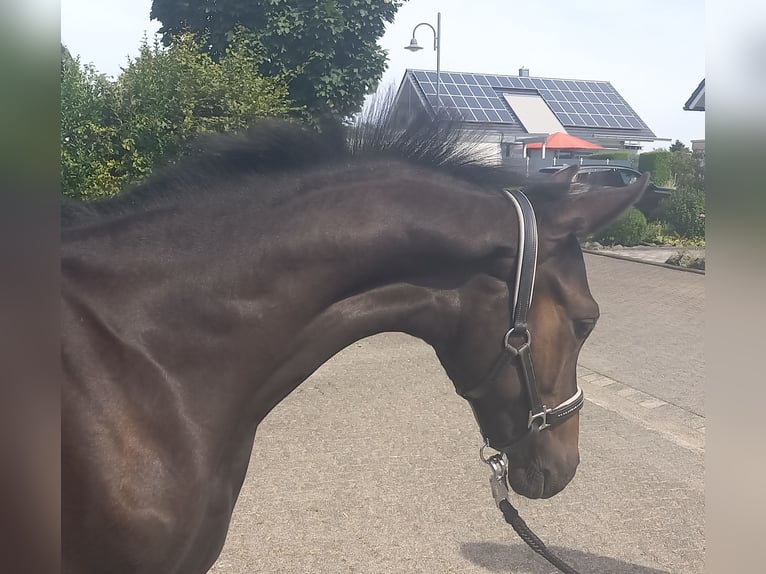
487	365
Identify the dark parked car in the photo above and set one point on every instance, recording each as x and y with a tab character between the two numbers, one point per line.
618	176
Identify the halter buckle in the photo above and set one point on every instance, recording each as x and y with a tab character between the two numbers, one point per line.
542	416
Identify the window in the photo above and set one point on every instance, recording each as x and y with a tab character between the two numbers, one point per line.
628	177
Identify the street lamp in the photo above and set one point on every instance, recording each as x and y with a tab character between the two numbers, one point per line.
413	47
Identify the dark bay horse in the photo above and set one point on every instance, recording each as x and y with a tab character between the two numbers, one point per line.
195	303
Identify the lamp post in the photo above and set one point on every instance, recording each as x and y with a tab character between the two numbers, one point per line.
413	47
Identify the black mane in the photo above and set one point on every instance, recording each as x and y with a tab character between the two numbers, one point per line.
273	146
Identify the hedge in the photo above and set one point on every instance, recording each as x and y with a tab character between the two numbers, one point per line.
618	155
658	163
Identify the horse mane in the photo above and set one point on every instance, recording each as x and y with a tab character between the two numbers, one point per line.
272	146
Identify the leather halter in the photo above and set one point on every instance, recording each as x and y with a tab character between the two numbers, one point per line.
517	341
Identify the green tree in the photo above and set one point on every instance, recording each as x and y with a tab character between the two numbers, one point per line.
678	145
89	124
116	132
328	48
170	96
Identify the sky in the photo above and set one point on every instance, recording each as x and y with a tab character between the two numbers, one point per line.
653	51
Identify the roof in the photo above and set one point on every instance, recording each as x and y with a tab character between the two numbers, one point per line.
581	106
561	140
696	102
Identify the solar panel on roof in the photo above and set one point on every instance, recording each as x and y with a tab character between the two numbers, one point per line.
593	98
492	115
478	97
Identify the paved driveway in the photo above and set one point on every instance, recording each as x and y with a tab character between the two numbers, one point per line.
372	466
650	335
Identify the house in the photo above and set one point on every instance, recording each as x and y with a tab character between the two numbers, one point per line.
512	111
696	102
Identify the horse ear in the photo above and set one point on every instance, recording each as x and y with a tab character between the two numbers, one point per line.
587	211
565	174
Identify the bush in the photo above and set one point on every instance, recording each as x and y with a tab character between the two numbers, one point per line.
659	164
115	132
620	155
688	170
89	131
655	232
628	230
660	233
684	213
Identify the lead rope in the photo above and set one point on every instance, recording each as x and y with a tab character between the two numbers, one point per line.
498	482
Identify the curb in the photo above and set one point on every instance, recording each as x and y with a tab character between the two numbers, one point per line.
637	260
684	428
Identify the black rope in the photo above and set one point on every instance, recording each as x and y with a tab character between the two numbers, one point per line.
512	517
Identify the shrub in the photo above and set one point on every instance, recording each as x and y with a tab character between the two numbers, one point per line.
654	232
658	163
628	230
621	155
89	134
115	132
688	170
684	213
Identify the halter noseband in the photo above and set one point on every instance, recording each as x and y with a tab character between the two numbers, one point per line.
516	343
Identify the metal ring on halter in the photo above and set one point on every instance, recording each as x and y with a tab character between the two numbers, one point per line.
483	458
491	459
513	332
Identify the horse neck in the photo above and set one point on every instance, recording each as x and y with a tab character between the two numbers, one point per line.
382	256
271	294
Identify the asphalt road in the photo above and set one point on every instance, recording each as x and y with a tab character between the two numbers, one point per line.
372	465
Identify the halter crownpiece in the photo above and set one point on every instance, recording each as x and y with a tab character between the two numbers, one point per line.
517	341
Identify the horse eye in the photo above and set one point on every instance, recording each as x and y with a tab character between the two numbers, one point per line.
583	327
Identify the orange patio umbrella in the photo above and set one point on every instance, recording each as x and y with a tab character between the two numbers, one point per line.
561	140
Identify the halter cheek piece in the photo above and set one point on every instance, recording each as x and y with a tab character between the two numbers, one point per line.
516	343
